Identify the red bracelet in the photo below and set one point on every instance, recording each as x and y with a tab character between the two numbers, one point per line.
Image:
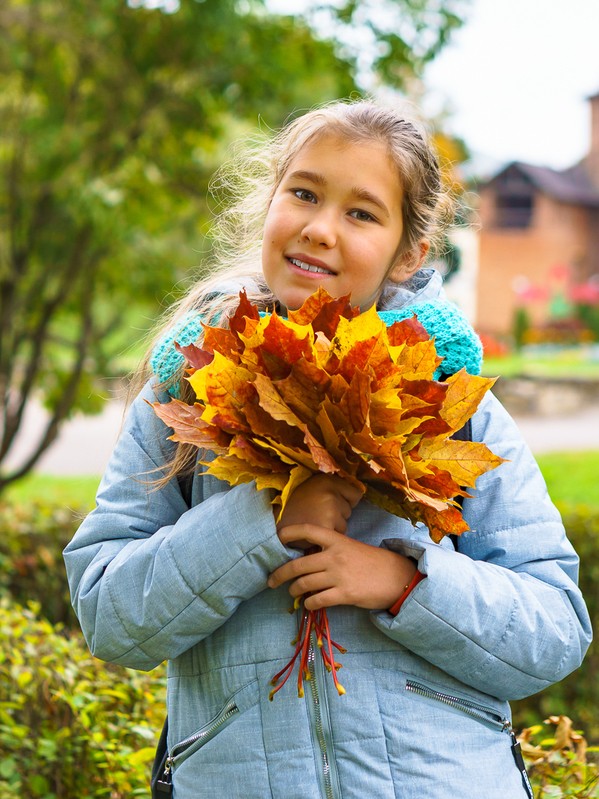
418	576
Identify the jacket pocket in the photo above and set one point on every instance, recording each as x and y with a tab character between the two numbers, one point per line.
238	703
468	706
482	713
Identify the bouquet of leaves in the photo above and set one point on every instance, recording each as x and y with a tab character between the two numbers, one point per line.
332	390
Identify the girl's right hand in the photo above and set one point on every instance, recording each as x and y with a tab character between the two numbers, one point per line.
324	501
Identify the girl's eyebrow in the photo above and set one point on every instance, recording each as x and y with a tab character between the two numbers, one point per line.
358	192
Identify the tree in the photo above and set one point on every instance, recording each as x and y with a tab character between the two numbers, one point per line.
113	120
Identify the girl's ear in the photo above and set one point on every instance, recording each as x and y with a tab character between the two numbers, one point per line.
410	262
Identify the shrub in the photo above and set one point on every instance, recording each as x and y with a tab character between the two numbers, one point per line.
558	764
578	694
70	725
32	537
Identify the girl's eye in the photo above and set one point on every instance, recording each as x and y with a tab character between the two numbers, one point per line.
304	195
362	216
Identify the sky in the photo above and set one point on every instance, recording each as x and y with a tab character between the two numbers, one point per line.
515	79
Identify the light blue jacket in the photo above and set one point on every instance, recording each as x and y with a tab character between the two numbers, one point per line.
425	713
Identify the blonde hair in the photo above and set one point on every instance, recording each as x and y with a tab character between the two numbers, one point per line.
246	185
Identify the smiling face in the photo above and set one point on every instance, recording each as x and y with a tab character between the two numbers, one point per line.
335	221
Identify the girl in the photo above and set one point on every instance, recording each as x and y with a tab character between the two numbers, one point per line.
438	639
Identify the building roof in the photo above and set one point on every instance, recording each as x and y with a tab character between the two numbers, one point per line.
572	185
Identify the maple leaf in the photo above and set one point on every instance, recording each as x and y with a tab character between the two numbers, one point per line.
333	390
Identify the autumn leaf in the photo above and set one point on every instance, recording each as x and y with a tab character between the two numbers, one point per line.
335	391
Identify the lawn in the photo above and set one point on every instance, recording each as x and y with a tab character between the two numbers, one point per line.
73	492
571	478
558	362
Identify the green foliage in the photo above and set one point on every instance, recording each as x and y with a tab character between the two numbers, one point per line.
521	325
578	694
559	763
571	478
113	120
77	492
70	725
32	537
390	39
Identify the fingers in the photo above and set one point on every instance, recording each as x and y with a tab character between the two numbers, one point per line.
307	533
308	580
295	569
343	571
322	500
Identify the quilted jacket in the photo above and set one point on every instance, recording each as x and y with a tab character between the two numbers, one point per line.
426	712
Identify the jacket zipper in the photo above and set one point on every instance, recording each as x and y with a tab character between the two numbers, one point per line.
482	714
205	735
466	706
323	736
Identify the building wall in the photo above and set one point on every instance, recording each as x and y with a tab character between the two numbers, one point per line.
508	257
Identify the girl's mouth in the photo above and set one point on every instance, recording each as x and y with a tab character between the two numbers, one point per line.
306	267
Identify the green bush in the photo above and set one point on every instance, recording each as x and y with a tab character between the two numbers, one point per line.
32	537
67	718
559	762
577	695
70	725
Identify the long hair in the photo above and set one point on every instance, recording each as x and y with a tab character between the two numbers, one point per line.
246	184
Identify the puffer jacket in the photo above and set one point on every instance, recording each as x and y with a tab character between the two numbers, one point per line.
426	711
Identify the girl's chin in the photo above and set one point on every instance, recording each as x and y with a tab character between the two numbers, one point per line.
296	299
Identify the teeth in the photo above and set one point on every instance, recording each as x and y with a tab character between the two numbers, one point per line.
310	267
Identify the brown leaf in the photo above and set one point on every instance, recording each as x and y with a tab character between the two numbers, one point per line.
333	390
189	427
195	357
323	312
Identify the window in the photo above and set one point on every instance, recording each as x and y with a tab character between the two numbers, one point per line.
513	210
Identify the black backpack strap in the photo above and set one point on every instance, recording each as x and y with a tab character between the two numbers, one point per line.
161	783
463	434
185	481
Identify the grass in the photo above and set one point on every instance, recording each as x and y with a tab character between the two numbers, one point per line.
571	478
556	362
73	492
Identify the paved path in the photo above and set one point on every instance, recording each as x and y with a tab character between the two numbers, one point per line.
86	442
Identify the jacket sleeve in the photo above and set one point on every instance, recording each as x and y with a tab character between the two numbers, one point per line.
150	577
503	613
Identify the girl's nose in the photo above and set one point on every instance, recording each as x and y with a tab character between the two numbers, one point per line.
320	230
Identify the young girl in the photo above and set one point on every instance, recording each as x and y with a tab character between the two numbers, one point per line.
438	638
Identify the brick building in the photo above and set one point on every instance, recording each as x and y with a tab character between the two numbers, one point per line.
538	225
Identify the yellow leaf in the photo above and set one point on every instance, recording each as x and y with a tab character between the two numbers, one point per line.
464	393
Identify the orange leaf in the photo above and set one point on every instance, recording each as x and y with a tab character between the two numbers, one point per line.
323	312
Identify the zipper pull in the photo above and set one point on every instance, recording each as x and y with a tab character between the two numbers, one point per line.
517	753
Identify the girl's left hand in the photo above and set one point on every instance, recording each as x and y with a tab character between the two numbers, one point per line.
343	572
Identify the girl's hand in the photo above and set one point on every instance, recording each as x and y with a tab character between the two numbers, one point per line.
322	500
344	572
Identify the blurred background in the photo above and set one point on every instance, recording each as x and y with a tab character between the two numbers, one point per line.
114	116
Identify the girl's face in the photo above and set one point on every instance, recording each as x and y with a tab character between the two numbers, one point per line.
335	221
